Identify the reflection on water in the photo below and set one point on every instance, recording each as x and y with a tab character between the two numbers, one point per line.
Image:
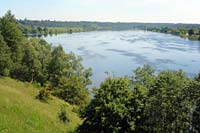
121	52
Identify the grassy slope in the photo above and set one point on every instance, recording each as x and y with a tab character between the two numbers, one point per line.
20	112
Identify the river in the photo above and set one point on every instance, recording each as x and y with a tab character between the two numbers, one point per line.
120	52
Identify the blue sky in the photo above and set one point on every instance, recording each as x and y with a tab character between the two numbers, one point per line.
176	11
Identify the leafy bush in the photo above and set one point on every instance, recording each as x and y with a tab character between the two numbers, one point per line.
44	95
63	115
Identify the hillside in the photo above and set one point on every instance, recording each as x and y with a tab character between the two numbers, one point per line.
21	112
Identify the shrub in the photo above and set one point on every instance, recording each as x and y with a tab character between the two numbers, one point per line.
63	115
44	95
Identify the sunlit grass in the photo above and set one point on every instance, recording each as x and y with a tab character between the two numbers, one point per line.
21	112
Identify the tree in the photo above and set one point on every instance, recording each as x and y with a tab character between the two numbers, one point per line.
5	59
191	32
143	80
114	108
72	90
57	65
14	39
196	96
34	60
68	78
196	116
39	30
144	76
70	31
37	55
12	35
46	31
31	62
169	105
166	102
197	77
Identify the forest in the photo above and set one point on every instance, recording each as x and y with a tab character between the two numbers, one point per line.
146	101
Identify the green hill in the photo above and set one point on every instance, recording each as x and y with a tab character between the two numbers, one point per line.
21	112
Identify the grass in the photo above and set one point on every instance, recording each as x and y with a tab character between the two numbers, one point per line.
21	112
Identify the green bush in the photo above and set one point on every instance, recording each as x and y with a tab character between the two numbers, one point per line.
63	115
44	95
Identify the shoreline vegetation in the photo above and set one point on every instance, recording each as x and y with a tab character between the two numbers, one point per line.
190	33
49	89
46	27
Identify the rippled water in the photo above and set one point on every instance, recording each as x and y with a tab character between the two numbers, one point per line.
120	52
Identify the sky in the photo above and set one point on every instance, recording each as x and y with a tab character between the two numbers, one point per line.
164	11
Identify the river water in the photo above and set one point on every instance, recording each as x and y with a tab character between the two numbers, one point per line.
120	52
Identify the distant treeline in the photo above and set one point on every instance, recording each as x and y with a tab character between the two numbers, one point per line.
39	28
45	27
184	32
103	25
44	31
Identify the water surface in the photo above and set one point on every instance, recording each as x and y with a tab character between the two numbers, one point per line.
120	52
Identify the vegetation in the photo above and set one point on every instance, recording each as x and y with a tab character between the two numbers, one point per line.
185	32
35	61
103	25
5	60
21	112
44	95
166	102
63	116
190	31
37	31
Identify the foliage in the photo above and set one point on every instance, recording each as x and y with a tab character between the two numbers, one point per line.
37	31
39	62
190	31
12	36
35	61
185	32
169	108
144	76
166	102
68	77
5	60
44	95
103	25
196	112
196	116
37	55
114	108
63	115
